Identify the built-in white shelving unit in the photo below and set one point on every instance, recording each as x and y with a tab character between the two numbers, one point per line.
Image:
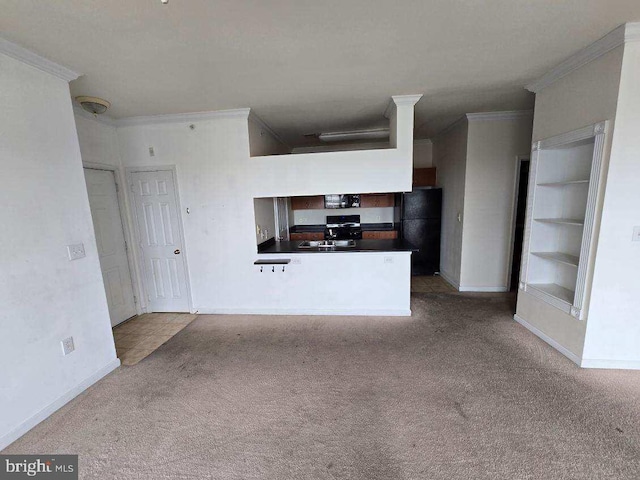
563	189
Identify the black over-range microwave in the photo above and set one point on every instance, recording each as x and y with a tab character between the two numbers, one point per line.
342	201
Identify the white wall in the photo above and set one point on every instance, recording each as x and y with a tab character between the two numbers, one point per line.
492	148
218	181
98	140
44	296
422	153
367	215
585	96
613	331
450	158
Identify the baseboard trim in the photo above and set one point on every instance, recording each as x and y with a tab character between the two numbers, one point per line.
305	311
449	280
540	334
61	401
610	364
483	289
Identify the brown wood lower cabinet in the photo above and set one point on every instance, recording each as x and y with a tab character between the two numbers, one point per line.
306	236
380	235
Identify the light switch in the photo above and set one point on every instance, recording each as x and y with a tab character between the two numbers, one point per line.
636	234
76	251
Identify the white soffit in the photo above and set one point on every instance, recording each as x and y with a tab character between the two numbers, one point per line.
30	58
628	32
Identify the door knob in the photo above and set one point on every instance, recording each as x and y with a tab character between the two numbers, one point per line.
176	252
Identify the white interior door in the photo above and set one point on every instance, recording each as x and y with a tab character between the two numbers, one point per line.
156	208
107	223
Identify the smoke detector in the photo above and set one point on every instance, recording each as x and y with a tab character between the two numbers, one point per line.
93	105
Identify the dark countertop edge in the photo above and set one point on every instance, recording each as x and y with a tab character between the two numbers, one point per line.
362	246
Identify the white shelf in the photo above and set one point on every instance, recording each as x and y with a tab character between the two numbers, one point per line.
562	221
559	257
556	291
564	184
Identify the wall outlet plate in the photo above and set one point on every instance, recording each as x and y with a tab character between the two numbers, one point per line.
388	259
76	251
636	234
67	346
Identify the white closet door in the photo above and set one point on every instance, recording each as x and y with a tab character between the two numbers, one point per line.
107	223
156	209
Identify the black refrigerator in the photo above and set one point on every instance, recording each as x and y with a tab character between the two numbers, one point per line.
420	223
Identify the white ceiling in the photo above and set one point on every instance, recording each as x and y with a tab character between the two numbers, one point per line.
310	66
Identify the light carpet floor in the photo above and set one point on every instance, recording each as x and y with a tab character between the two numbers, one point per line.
458	391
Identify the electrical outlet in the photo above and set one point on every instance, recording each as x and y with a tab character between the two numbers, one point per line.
152	152
388	259
76	251
636	234
67	346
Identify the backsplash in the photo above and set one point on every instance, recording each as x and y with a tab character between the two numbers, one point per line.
319	217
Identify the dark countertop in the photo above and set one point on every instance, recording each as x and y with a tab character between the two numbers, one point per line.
361	246
366	227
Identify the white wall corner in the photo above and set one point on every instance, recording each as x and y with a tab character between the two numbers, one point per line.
256	119
30	58
183	117
627	32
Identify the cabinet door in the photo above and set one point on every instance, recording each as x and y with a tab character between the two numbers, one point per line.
377	200
305	203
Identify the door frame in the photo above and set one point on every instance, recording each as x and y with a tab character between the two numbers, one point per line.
129	171
514	214
138	299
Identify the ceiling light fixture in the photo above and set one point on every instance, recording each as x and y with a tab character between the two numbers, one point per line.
375	133
93	105
164	2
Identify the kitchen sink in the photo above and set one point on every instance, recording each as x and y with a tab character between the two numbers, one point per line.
327	244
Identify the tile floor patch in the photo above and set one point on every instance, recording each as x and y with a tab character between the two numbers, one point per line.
142	335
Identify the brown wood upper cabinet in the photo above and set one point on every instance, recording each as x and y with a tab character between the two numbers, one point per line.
306	236
424	177
377	200
306	203
380	234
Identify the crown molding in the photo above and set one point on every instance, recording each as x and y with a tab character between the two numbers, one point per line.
627	32
259	121
104	119
182	117
410	100
30	58
400	100
494	116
